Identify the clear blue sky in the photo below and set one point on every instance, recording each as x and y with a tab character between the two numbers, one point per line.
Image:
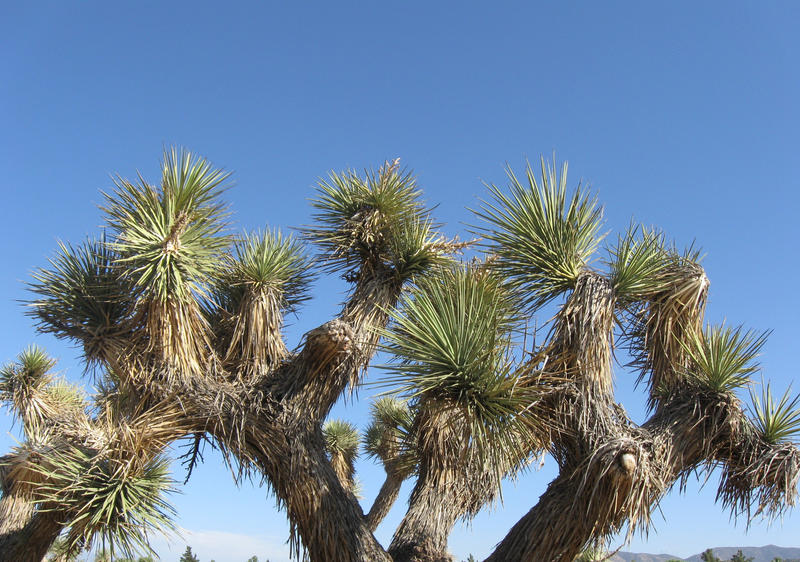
682	115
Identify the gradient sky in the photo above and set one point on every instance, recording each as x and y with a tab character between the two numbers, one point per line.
682	115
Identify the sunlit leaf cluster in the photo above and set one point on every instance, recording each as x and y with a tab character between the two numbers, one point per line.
114	503
83	296
541	237
377	219
724	357
267	262
390	436
450	341
170	237
776	421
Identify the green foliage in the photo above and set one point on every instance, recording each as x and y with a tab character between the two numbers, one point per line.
82	295
116	502
708	556
450	336
377	219
24	386
31	371
540	238
390	436
779	421
188	556
341	438
450	342
637	264
740	557
169	239
724	358
266	261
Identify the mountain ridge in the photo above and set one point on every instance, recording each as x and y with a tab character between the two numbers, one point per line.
766	553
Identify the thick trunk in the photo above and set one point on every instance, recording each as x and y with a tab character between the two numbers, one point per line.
25	534
624	471
324	516
422	535
385	499
535	537
289	449
16	511
31	542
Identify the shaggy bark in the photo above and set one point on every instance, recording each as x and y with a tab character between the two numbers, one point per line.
282	435
626	470
422	535
16	509
385	499
31	542
442	495
324	515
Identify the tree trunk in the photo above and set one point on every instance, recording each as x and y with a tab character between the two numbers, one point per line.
31	542
324	515
385	499
623	472
16	511
422	535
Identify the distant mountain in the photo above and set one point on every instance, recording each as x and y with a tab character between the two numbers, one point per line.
759	553
639	557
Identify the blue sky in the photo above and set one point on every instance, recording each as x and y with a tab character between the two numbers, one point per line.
682	115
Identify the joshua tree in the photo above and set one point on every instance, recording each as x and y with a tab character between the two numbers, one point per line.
183	324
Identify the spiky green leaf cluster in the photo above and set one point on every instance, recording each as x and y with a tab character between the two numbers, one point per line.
341	443
341	437
24	383
170	238
776	421
31	371
723	358
389	436
541	238
637	264
450	336
82	296
266	261
108	501
373	219
417	247
450	340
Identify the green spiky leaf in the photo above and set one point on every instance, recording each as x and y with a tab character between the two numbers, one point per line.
170	238
776	421
375	219
450	340
542	239
82	296
638	265
389	436
723	358
107	501
341	438
24	384
266	261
